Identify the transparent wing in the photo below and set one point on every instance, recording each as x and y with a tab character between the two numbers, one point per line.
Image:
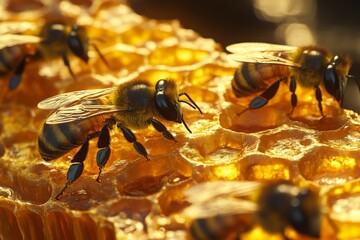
80	112
71	98
211	190
18	27
220	207
262	53
9	40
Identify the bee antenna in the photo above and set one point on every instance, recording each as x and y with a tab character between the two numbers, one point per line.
188	103
181	117
190	99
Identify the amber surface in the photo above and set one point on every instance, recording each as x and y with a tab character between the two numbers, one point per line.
136	199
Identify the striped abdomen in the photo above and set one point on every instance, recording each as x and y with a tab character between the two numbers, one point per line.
251	78
57	139
220	227
10	57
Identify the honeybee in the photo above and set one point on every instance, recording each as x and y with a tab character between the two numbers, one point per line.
264	66
225	209
55	39
80	116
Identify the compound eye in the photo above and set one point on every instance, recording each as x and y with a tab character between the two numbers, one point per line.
77	42
166	108
332	83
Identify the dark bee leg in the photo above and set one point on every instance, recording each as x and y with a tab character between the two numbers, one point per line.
318	96
264	98
16	78
103	59
293	94
130	137
161	128
76	169
67	64
103	154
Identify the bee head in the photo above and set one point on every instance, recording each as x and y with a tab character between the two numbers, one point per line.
335	76
78	42
305	213
167	102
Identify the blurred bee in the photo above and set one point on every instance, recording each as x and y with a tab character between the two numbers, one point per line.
55	39
81	116
264	66
225	209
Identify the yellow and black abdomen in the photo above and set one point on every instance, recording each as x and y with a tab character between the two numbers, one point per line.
251	78
57	139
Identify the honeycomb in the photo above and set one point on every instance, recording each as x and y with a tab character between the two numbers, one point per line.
137	199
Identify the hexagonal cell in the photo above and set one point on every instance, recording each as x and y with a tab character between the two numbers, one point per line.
217	146
343	207
9	227
347	137
287	142
142	178
258	167
172	199
329	166
232	117
31	224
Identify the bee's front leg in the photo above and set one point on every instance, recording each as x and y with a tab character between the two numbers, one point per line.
130	137
161	128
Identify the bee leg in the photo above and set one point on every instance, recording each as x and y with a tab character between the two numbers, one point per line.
67	64
73	173
16	78
103	59
264	98
130	137
318	96
161	128
103	154
76	169
293	94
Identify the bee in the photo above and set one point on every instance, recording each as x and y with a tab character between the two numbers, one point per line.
263	66
55	39
80	116
225	209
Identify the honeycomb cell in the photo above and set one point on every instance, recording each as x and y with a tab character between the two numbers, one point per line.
290	142
31	224
142	178
232	117
9	227
329	166
217	147
342	202
263	168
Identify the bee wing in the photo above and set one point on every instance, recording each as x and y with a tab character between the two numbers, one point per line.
71	98
9	40
80	112
220	207
262	53
17	27
211	190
